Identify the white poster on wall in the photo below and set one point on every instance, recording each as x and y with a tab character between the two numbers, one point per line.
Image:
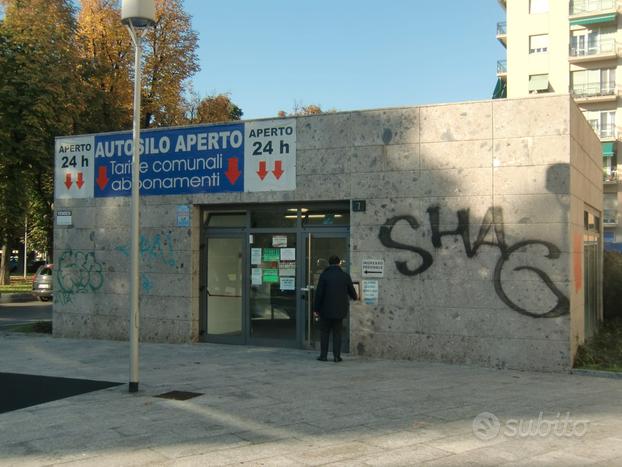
270	155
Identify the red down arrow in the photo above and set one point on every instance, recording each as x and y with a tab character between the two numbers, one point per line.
278	169
233	172
68	181
102	177
262	172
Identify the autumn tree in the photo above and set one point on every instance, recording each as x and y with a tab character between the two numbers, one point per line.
107	61
39	99
171	59
213	109
302	110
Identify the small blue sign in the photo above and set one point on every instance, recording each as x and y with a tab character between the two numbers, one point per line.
201	159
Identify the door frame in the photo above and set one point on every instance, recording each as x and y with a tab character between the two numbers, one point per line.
305	235
244	232
204	336
249	340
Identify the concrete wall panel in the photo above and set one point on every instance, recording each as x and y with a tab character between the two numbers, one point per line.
474	208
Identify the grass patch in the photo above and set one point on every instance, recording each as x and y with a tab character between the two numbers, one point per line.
42	327
604	351
18	285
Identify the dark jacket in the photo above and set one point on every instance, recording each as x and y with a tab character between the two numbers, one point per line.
331	295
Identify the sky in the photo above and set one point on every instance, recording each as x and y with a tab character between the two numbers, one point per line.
272	55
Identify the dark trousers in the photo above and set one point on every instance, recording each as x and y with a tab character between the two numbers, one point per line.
326	327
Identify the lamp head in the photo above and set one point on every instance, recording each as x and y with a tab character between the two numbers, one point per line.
138	13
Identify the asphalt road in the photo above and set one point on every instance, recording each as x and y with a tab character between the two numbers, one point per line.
26	312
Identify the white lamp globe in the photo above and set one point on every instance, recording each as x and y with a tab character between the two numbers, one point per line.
138	13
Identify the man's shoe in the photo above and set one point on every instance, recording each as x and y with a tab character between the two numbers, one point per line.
322	359
338	359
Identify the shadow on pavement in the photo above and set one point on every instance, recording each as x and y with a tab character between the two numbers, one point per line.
18	391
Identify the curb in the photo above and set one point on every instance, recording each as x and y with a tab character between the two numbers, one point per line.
597	373
16	297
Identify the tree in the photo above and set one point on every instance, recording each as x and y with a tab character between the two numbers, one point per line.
39	98
213	109
170	50
106	67
302	110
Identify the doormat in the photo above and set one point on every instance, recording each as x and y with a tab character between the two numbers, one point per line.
18	391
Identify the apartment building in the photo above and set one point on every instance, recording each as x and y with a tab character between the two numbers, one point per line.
571	46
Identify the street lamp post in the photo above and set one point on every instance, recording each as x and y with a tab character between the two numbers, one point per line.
137	15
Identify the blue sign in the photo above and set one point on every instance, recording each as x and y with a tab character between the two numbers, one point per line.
202	159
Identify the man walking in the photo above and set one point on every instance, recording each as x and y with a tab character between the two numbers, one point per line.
334	288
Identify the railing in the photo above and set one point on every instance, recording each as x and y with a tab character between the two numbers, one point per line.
610	176
502	28
593	89
610	216
600	47
586	6
502	66
605	131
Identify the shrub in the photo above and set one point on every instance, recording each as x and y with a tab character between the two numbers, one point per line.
612	286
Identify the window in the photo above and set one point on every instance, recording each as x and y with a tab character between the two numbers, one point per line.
586	83
538	6
592	41
538	83
604	123
538	44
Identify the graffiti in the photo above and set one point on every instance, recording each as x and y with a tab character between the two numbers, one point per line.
492	221
77	272
157	249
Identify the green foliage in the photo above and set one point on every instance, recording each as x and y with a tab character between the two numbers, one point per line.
604	350
612	286
63	75
41	327
39	99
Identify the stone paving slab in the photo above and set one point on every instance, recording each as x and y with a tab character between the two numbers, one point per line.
262	406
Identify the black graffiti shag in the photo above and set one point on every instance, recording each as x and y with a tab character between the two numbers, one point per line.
493	220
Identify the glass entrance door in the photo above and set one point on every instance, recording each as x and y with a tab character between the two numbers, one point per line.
224	288
272	299
319	246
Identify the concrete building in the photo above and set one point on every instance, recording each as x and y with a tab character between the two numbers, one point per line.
571	46
472	230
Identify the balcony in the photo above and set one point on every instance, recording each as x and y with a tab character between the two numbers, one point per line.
594	92
610	217
600	50
610	177
502	33
590	8
502	69
604	132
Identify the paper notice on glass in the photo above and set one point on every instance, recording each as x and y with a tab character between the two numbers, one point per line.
288	283
255	255
256	276
279	241
271	276
288	254
287	268
270	255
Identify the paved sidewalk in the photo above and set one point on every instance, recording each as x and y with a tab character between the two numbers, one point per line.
264	406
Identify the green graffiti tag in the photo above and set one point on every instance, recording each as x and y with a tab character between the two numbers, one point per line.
77	272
